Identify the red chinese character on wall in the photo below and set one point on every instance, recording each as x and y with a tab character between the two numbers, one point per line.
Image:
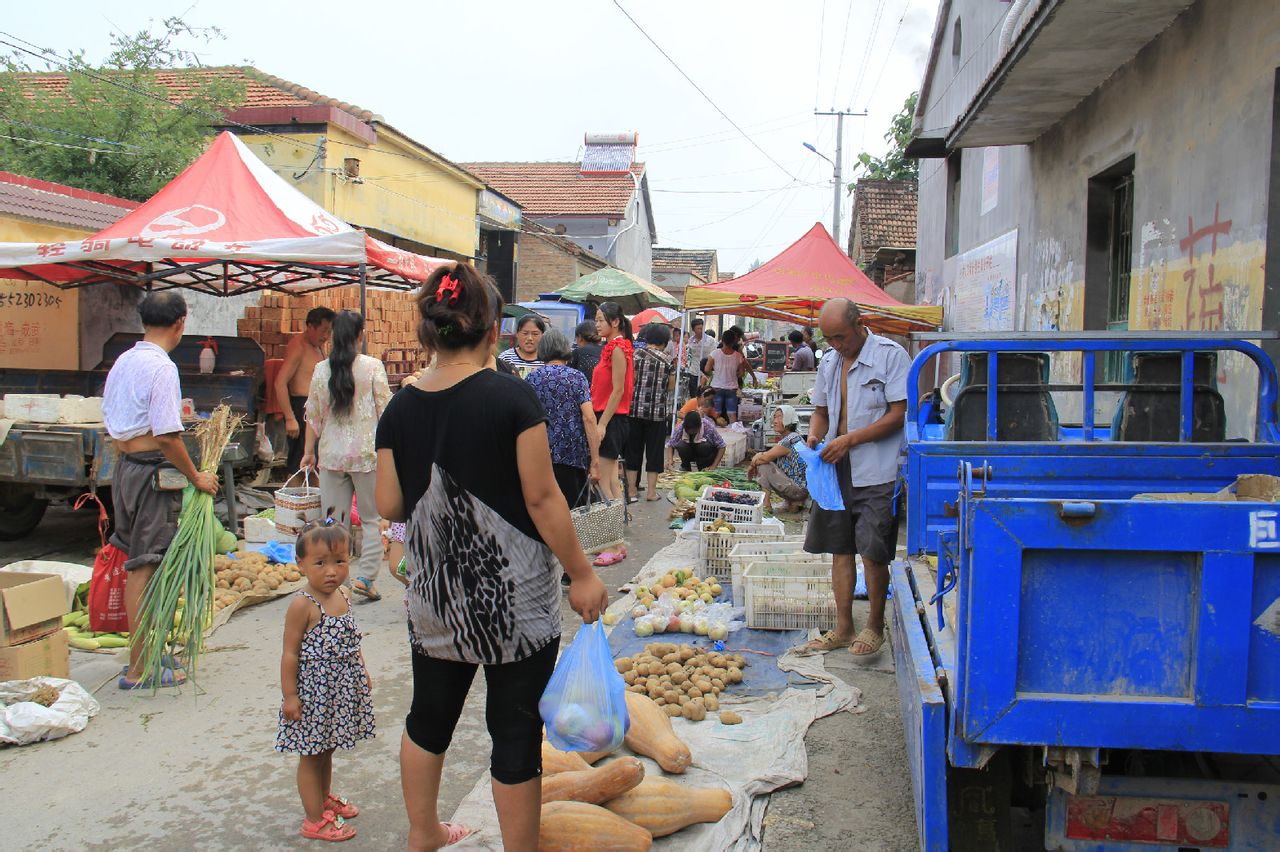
52	249
1204	296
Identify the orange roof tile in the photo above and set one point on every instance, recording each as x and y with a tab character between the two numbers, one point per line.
884	215
560	189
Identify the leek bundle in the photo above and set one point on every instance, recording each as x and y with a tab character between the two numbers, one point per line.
178	604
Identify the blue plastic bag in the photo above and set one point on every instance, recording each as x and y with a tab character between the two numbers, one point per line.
821	478
584	705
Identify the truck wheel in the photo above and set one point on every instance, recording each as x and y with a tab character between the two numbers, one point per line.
20	513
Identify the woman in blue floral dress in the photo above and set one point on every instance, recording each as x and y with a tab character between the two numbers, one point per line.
571	423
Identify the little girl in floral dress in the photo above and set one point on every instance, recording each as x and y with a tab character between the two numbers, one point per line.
328	701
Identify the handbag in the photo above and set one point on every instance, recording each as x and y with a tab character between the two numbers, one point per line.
297	506
598	524
107	612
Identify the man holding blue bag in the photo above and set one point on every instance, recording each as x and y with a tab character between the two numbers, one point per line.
859	416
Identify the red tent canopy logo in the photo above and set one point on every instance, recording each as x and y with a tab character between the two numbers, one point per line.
185	222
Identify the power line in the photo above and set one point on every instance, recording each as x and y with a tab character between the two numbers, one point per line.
10	120
889	54
700	91
817	74
866	54
844	42
72	147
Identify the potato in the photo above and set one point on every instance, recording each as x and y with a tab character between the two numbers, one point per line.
679	677
694	711
711	702
636	688
694	692
622	664
671	709
686	653
673	657
660	701
672	668
735	675
728	717
672	696
628	677
654	691
717	684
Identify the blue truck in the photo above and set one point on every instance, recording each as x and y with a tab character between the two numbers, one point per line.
1086	642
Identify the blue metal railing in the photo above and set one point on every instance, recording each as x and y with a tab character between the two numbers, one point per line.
1086	343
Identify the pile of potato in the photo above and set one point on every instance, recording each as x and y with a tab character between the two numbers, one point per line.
248	574
682	680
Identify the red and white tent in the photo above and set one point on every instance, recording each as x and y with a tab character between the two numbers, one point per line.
227	225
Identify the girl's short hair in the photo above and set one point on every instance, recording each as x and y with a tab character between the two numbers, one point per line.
324	532
457	307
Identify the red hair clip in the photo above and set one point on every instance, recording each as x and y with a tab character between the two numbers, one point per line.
448	285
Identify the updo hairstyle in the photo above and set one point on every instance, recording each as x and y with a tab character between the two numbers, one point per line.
458	308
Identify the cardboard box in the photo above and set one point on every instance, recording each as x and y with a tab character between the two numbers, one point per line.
31	606
47	657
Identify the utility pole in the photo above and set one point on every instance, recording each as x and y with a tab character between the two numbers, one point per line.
839	176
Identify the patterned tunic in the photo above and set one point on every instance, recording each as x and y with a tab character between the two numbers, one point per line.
562	391
337	705
483	587
651	397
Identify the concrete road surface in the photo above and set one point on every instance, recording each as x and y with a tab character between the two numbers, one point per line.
194	768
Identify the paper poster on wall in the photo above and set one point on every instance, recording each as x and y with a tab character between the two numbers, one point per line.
39	326
984	286
990	179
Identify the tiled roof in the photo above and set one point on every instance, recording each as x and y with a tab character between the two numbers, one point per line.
53	203
884	215
559	189
261	89
700	261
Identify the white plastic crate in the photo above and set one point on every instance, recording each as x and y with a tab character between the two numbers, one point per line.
788	548
789	595
714	547
734	513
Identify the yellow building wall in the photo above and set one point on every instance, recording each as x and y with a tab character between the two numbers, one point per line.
39	324
401	190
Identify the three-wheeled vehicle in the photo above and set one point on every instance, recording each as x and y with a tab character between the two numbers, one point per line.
1086	629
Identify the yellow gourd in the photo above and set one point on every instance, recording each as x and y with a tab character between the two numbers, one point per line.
579	827
651	735
596	785
664	807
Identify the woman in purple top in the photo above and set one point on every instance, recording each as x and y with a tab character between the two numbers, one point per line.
571	423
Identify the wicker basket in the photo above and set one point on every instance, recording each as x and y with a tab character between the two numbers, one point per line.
599	524
734	513
789	595
297	506
714	547
787	548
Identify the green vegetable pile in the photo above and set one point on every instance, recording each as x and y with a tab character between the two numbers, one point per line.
691	485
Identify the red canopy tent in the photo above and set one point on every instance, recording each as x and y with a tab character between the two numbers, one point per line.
227	225
795	284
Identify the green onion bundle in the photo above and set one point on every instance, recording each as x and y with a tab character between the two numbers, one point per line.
178	604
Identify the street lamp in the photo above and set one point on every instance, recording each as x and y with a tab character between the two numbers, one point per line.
835	207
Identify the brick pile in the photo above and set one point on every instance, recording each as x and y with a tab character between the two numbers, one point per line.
390	323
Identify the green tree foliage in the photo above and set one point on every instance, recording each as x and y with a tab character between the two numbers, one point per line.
137	141
894	165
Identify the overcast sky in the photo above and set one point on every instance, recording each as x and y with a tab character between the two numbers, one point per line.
519	80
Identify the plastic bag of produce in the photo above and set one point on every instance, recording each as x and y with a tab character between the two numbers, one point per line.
584	705
43	708
821	478
106	591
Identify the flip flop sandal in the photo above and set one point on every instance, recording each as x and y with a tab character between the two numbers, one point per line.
606	559
341	807
167	679
457	831
330	827
365	589
165	660
868	637
826	642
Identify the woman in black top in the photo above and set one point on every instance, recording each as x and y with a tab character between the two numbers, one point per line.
463	459
586	350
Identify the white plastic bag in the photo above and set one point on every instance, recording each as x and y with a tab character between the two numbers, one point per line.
23	722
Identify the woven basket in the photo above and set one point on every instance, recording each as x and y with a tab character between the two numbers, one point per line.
599	524
297	506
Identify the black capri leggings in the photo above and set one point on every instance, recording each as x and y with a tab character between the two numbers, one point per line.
440	689
646	440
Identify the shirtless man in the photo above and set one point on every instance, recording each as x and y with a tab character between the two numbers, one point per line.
293	382
142	408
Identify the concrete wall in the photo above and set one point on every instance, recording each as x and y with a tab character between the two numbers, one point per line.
626	245
1194	109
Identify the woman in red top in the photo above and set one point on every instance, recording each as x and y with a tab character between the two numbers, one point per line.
611	385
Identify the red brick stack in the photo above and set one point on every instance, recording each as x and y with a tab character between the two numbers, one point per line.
391	321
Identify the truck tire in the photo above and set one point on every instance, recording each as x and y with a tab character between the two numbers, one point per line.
20	513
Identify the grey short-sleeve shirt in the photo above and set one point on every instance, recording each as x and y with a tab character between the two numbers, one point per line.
877	378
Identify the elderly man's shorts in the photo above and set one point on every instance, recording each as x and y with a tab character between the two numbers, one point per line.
867	525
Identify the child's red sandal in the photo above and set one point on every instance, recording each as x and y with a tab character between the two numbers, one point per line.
341	807
329	827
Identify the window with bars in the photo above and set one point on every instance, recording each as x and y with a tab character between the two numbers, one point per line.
1109	260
